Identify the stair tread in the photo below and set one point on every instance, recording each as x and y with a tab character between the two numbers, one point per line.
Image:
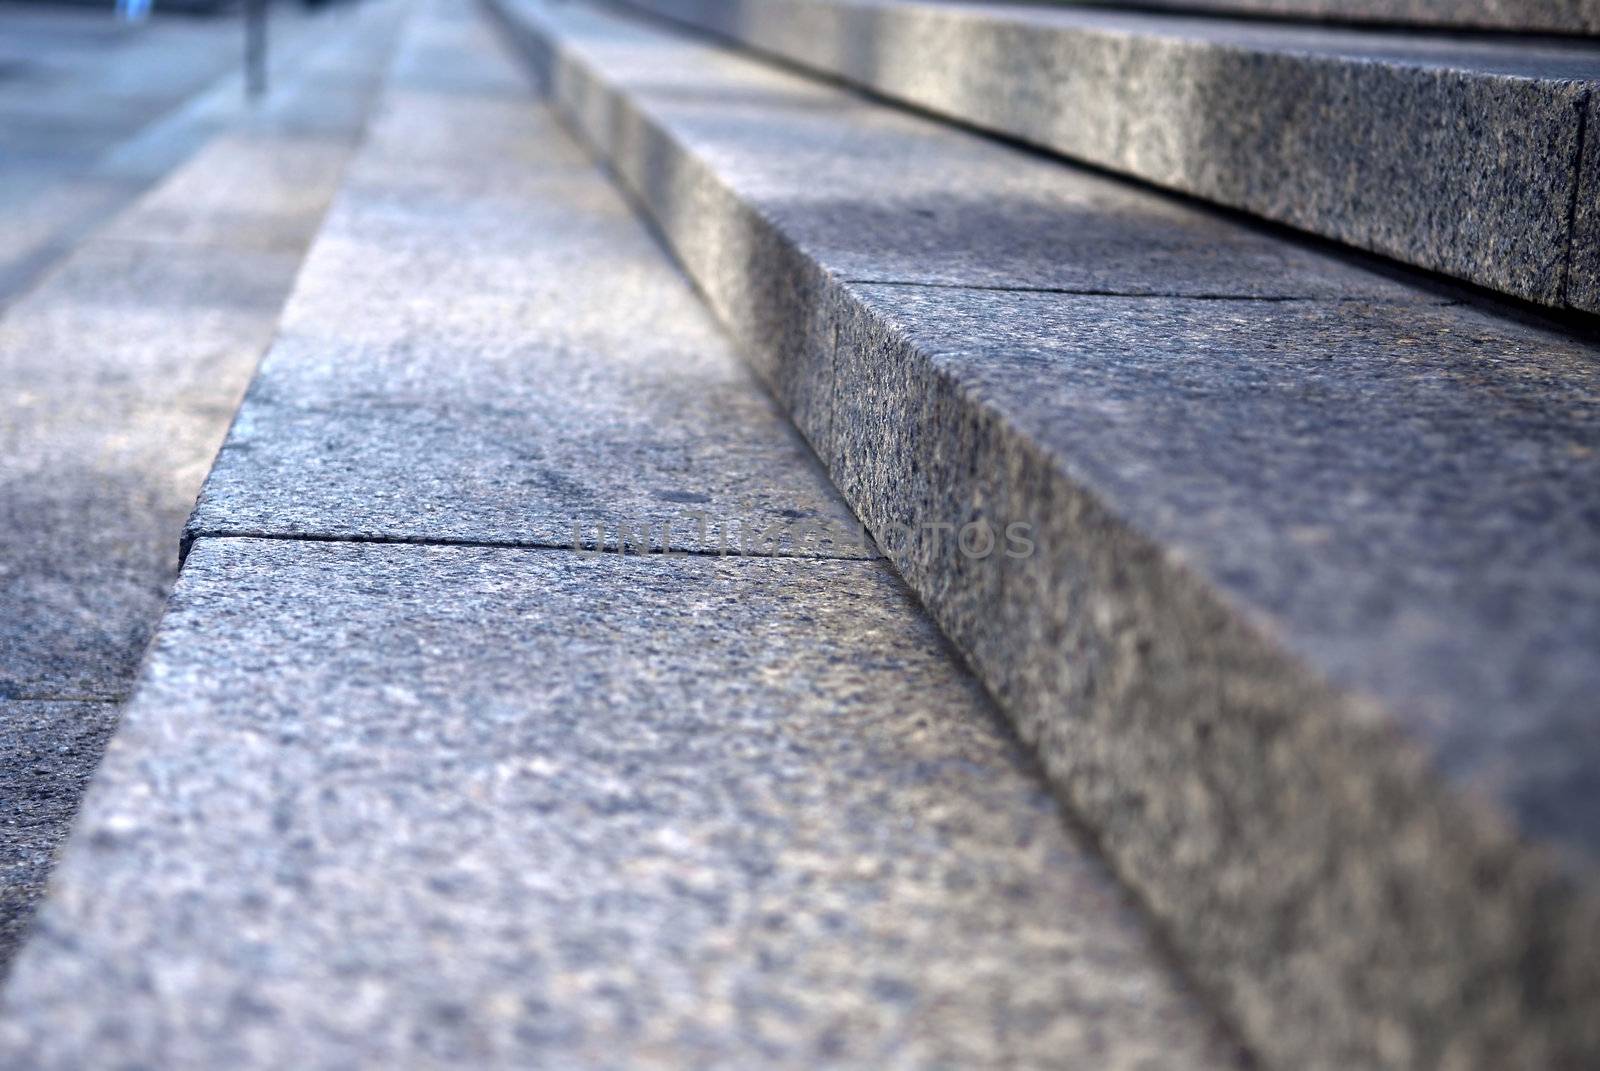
1454	154
388	804
486	346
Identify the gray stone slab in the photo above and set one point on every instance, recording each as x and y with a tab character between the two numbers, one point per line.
1583	272
112	418
122	368
1537	16
878	194
76	73
486	345
426	806
1338	470
45	214
47	752
1324	574
1308	627
126	364
245	191
1455	156
743	164
265	180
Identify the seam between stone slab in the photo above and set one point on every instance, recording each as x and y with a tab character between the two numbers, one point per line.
190	539
1577	193
1136	295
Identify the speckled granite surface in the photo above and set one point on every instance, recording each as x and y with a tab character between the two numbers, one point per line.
1308	634
1583	278
423	805
125	364
1236	506
875	194
48	750
1534	16
1455	155
435	806
486	346
120	370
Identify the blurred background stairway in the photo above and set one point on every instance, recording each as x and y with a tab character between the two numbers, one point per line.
96	110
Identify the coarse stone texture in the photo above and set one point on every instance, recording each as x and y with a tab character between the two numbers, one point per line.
126	363
111	422
487	346
1327	576
47	752
771	188
1538	16
1583	276
122	367
1307	634
425	806
1455	156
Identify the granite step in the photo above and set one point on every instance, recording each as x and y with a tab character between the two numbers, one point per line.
383	799
1304	617
383	805
1463	156
122	367
485	347
1523	16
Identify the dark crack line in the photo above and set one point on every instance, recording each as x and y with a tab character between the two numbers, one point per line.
490	544
1085	292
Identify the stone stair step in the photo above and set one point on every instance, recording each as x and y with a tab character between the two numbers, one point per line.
1524	16
486	347
386	805
1308	632
415	805
1459	155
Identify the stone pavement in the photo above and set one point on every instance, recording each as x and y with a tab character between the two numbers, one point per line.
479	731
123	367
386	800
1463	156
